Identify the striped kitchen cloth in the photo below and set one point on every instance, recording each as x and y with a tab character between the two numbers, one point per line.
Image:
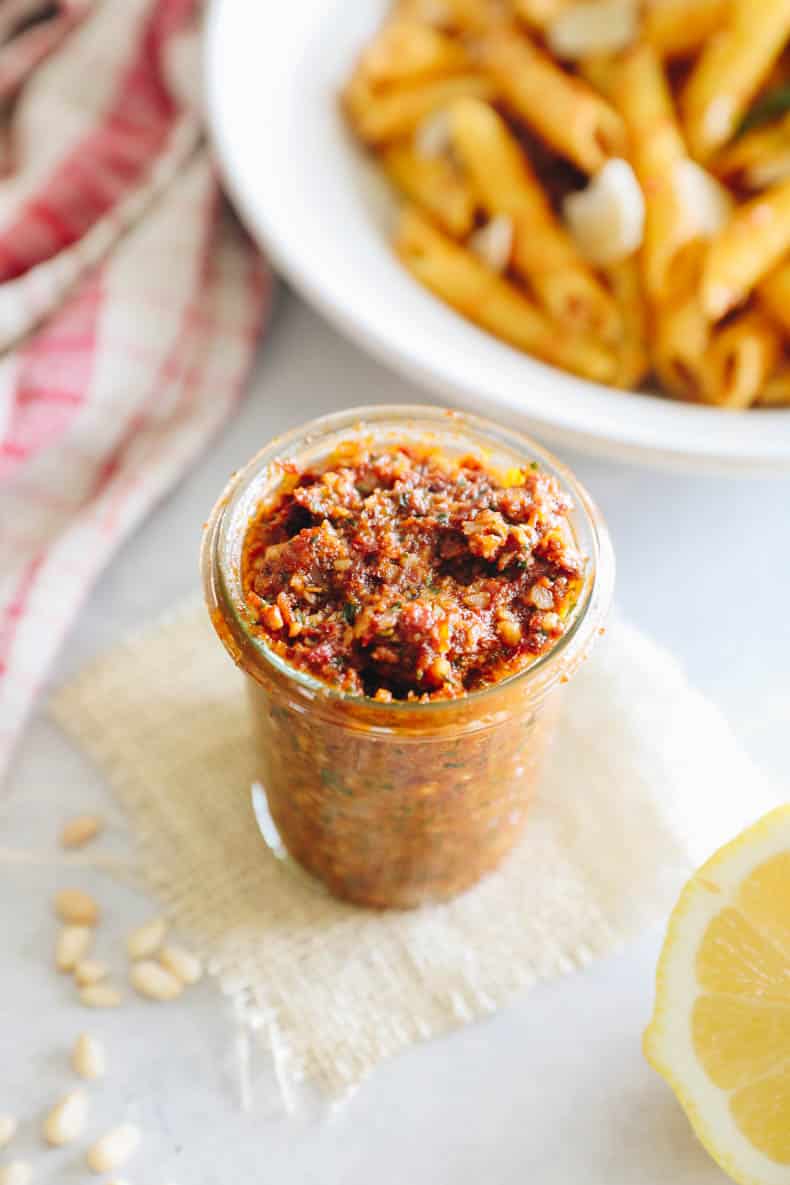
130	301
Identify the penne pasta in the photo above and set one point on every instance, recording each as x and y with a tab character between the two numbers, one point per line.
434	184
379	117
592	27
740	360
657	151
600	70
729	72
410	51
775	391
758	158
562	109
474	290
462	16
677	28
774	295
681	331
632	350
747	249
673	259
543	252
537	14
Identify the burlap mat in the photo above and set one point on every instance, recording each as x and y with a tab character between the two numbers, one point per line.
644	781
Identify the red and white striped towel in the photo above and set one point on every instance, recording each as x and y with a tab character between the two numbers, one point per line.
130	302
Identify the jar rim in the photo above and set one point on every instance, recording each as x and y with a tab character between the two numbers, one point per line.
223	584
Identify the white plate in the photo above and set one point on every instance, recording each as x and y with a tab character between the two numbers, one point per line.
273	73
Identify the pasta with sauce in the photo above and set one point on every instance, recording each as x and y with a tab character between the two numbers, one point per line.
604	184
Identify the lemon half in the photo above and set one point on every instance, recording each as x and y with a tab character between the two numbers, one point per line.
720	1032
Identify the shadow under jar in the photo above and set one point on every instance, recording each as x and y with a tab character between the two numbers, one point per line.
396	802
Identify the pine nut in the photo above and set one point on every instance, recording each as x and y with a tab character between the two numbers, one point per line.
80	830
153	981
76	908
100	995
88	1059
18	1172
7	1129
72	946
66	1119
89	971
146	940
113	1149
181	963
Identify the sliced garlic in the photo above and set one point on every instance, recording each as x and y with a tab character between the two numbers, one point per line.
493	243
595	26
706	203
607	218
718	120
432	137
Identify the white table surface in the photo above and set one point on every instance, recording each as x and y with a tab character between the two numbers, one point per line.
554	1089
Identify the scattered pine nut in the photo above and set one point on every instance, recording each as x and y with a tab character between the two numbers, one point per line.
100	995
17	1172
155	982
66	1120
146	940
88	1059
72	946
181	963
89	971
113	1149
7	1129
80	830
76	908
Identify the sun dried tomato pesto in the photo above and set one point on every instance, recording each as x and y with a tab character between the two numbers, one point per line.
400	572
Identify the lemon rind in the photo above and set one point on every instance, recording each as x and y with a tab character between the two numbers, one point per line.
668	1044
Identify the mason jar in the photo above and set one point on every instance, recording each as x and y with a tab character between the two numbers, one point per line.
395	804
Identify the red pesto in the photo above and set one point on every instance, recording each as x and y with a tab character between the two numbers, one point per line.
398	572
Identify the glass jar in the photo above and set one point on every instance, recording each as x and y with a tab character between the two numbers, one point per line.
398	803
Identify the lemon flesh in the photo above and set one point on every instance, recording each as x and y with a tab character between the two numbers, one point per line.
720	1032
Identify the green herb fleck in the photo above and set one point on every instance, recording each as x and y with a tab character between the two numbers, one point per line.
534	464
350	611
335	782
775	103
